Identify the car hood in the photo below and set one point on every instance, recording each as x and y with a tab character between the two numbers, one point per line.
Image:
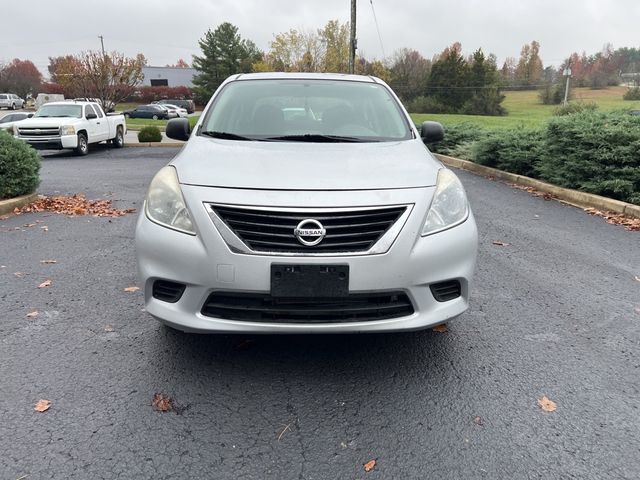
48	121
306	166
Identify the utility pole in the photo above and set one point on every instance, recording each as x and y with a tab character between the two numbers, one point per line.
353	43
567	73
101	43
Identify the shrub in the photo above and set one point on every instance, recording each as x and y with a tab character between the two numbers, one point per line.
513	150
485	102
149	94
632	94
575	107
552	94
149	134
594	152
427	105
19	167
458	140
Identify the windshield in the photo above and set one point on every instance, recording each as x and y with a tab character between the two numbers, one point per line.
306	110
60	111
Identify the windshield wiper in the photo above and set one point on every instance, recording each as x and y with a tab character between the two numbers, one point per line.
318	138
226	135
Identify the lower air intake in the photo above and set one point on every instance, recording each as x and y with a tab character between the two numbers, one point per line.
167	291
445	291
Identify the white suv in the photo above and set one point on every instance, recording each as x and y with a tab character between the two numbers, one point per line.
11	100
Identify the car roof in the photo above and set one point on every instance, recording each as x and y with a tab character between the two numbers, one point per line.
306	76
70	102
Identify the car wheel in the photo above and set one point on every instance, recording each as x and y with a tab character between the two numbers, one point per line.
118	142
155	117
83	145
13	106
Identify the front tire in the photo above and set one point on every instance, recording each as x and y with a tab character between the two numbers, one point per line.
83	145
155	117
118	141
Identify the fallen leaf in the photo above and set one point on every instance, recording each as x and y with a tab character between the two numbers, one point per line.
19	274
48	262
547	405
245	344
42	406
45	284
637	278
45	228
370	465
629	223
161	403
638	310
478	420
442	328
108	328
33	314
29	225
74	205
501	244
132	289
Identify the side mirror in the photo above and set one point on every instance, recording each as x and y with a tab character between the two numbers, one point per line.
432	132
178	129
30	115
91	116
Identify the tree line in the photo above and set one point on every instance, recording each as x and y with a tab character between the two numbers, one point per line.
451	81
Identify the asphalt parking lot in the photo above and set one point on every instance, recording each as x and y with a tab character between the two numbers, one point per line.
554	313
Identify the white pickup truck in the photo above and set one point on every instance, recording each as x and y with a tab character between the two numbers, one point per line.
71	125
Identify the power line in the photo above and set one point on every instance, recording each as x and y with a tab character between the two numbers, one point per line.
375	19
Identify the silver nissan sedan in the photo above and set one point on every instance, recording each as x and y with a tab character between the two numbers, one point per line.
305	203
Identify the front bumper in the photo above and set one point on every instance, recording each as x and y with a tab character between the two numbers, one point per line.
204	263
52	143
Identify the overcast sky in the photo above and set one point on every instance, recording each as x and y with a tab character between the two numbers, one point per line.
167	30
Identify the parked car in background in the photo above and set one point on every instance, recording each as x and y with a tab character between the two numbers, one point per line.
71	125
188	105
155	112
179	111
11	101
44	98
8	121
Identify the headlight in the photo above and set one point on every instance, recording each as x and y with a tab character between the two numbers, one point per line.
67	130
449	206
165	204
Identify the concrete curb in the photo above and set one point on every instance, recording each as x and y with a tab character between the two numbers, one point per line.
154	144
574	197
8	206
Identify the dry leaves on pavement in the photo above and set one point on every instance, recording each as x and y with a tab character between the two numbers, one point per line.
637	278
131	289
45	284
478	420
74	205
442	328
48	262
500	244
547	405
161	402
534	192
629	223
33	314
370	465
42	406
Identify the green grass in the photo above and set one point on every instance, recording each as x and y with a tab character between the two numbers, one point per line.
525	109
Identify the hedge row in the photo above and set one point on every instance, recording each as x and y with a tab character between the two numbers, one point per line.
590	151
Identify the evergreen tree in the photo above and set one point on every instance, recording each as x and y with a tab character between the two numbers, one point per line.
449	76
224	53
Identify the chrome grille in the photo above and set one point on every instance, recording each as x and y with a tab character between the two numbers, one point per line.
272	230
38	132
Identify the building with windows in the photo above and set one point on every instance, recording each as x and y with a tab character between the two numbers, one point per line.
168	76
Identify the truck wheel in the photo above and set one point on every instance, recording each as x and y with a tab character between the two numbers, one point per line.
83	145
118	141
